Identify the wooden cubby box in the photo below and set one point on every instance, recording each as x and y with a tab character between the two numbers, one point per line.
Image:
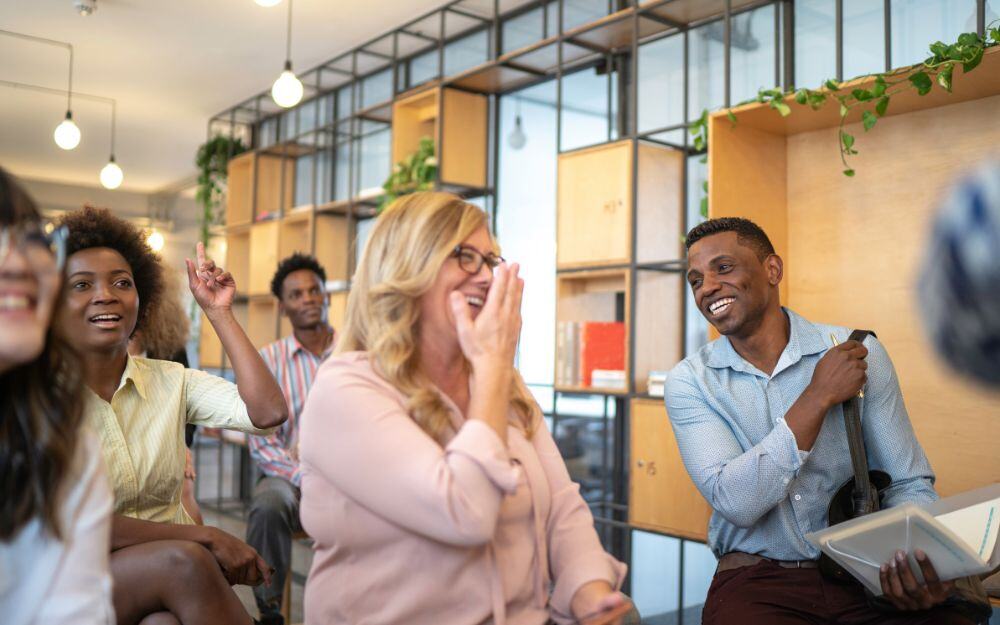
210	352
462	117
333	245
252	175
597	295
661	494
264	237
262	320
238	256
594	204
295	234
852	246
659	324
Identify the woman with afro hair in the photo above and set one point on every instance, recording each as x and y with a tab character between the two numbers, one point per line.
165	568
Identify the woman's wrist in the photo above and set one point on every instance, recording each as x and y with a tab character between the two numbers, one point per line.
588	596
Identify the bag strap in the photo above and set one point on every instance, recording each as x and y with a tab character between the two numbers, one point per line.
865	497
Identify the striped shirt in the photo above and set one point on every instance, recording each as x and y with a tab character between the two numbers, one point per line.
142	432
294	367
728	417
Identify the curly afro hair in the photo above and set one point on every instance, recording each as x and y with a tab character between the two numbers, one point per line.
96	227
294	263
747	233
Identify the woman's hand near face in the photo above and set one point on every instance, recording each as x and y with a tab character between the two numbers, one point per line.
489	341
213	288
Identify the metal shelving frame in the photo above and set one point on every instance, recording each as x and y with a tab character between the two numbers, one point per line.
612	40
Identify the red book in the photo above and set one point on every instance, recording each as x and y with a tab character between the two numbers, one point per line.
602	346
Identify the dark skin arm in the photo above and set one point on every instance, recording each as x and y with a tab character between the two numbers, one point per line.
839	375
240	563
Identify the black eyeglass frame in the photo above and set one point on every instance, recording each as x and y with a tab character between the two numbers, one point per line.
54	241
490	259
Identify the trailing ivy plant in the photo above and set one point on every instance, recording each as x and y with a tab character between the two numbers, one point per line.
212	160
937	69
416	172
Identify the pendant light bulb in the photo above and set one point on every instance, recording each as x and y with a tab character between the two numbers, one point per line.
111	175
268	3
287	90
517	139
67	134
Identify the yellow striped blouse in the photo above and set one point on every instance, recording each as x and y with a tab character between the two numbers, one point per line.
142	432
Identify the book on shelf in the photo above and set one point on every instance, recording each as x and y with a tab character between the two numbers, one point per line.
656	383
959	534
609	378
583	347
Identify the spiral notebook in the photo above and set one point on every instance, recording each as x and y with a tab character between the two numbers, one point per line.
959	534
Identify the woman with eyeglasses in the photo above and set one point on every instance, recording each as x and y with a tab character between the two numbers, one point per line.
166	569
430	484
55	504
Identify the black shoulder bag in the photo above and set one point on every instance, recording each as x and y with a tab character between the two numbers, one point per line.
862	494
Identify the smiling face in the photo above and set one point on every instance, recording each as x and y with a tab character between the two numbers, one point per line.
732	287
303	299
29	285
100	303
436	317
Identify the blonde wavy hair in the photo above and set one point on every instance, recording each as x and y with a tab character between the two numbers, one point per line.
408	244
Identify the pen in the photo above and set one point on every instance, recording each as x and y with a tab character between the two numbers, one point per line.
861	393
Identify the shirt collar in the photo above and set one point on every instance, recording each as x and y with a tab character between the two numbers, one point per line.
803	340
136	372
294	346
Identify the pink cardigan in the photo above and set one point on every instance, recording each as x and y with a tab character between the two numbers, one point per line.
407	532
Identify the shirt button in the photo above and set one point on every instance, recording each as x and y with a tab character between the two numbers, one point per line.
798	498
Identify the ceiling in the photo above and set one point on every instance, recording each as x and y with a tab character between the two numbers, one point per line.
170	64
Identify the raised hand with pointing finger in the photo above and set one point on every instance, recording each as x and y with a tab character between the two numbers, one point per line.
213	288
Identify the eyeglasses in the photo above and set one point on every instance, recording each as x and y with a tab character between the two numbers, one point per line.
36	244
471	260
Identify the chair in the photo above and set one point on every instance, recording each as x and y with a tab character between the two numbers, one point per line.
286	593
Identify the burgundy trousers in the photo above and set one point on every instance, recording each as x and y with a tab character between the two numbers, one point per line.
768	594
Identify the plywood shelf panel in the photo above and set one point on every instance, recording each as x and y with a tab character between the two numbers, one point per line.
851	246
239	189
661	495
295	235
263	256
659	324
333	245
262	321
238	257
275	185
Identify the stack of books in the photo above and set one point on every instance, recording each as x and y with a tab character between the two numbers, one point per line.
591	354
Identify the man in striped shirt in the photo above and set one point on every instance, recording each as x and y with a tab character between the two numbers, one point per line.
274	514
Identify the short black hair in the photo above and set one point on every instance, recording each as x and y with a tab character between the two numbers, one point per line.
294	263
97	227
747	233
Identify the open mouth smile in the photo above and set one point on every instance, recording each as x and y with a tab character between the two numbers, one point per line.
720	306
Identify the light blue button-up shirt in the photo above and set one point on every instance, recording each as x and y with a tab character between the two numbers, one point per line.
766	494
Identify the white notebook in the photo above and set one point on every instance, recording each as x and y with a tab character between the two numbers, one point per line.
959	534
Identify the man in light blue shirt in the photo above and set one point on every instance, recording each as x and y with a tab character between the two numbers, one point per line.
759	422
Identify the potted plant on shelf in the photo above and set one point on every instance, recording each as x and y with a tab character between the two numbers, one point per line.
417	172
212	160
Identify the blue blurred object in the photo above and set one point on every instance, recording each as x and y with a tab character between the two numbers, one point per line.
959	286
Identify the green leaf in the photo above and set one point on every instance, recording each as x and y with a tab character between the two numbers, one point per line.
832	85
968	39
847	140
939	49
944	77
781	107
863	95
882	105
731	116
816	99
880	86
844	110
704	186
704	207
922	82
994	34
868	120
849	173
802	96
972	63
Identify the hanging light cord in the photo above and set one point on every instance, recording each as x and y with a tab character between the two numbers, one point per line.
60	92
114	119
52	42
288	38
